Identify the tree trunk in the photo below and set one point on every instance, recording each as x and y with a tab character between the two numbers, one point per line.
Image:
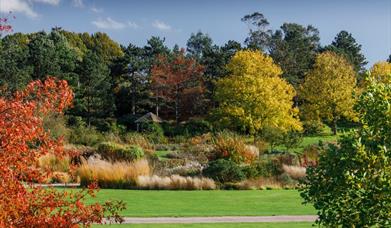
157	103
133	95
176	106
335	126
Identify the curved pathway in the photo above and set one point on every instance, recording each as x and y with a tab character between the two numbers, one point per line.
222	219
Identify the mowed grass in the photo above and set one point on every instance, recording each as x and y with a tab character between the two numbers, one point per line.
311	140
208	203
215	225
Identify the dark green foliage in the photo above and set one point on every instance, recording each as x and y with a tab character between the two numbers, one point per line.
346	45
197	127
133	94
83	135
153	131
223	171
263	168
93	98
113	151
190	128
15	73
312	127
294	47
198	44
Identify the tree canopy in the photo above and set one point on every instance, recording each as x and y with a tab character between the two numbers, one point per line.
254	97
328	89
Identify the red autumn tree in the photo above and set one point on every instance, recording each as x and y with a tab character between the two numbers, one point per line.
23	140
177	79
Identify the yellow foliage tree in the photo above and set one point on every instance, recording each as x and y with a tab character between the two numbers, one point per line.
328	89
254	97
381	72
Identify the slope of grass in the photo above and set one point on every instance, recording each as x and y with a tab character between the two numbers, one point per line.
215	225
208	203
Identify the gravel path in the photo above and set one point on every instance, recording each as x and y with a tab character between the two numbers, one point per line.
223	219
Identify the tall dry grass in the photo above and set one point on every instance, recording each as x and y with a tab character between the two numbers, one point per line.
52	163
112	175
295	172
175	182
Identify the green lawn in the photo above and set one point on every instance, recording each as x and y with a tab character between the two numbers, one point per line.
162	154
208	203
215	225
310	140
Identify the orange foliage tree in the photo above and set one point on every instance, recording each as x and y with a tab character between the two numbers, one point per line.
177	79
23	140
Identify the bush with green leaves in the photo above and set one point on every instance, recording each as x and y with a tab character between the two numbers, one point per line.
224	171
195	127
153	131
351	186
115	152
83	135
263	168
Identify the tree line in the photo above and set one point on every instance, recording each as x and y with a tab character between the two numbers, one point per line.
118	82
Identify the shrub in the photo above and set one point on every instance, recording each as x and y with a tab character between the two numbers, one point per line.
313	127
139	140
175	182
232	147
128	121
115	151
112	175
223	171
195	127
263	168
82	135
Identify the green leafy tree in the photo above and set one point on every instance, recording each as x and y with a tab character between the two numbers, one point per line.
328	89
254	97
351	186
344	44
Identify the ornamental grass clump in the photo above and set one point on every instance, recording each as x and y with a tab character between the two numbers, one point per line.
112	175
175	182
232	147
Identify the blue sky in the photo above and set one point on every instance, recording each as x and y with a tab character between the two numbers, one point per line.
135	21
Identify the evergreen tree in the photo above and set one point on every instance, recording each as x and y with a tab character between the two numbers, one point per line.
344	44
94	97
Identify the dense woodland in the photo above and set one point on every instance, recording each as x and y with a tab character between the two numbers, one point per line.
236	116
116	84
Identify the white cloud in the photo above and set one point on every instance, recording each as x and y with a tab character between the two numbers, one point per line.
108	23
78	3
161	25
50	2
133	25
18	6
96	10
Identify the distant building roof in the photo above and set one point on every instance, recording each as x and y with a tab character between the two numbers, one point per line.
149	117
